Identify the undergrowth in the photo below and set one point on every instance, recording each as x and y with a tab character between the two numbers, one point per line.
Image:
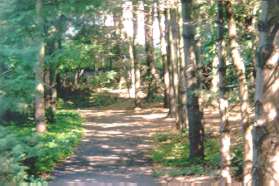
85	100
26	156
171	153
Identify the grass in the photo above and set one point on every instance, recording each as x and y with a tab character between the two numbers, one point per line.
171	154
42	152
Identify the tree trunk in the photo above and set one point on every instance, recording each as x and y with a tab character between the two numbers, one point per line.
50	77
244	94
163	47
172	106
223	102
47	94
152	72
174	57
266	128
53	89
136	61
132	68
182	98
39	73
196	133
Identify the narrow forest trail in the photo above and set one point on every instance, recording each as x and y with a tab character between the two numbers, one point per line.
116	146
114	150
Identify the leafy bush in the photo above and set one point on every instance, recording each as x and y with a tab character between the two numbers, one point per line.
27	156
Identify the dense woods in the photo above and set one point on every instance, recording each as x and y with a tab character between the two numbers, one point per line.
194	58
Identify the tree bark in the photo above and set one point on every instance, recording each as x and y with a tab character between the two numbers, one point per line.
244	95
132	68
174	57
172	106
163	47
53	89
152	72
196	132
182	98
40	120
47	93
266	129
223	102
136	61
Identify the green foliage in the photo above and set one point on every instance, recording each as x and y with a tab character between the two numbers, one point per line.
104	100
212	153
172	150
50	115
237	161
104	79
24	152
19	47
16	96
86	99
12	152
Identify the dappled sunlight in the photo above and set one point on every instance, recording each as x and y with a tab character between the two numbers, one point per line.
212	122
150	116
115	145
117	142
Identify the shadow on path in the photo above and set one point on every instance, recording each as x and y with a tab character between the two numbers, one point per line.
114	150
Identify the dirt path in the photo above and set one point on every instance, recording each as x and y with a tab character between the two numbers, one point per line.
114	149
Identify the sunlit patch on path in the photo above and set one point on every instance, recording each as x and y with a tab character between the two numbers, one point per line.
114	150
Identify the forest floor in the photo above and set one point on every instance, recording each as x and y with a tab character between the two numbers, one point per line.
115	149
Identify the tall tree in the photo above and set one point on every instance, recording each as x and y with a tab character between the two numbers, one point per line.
132	65
170	60
153	75
161	8
266	130
223	102
182	93
136	61
239	64
196	133
174	51
39	72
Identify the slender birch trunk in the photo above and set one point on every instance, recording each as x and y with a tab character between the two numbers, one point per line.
136	61
152	71
223	102
244	95
266	129
132	68
161	8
